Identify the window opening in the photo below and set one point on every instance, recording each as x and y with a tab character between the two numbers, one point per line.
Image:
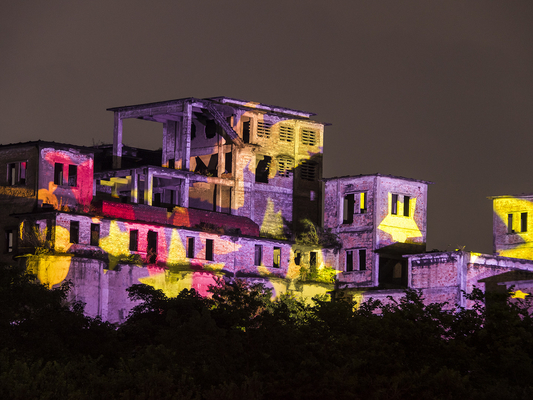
210	129
10	241
72	175
510	223
347	210
263	169
74	232
286	133
312	261
297	257
258	256
308	137
308	171
172	163
394	205
277	257
349	260
285	165
523	222
134	240
263	129
362	202
228	163
16	173
151	248
95	234
190	247
209	249
246	130
362	260
406	206
58	174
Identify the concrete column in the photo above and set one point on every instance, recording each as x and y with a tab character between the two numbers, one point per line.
184	193
186	137
117	141
149	187
134	186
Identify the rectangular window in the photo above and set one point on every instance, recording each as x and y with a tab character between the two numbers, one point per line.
74	232
246	130
263	169
172	163
362	260
286	133
95	234
263	129
347	209
394	205
406	206
58	173
10	241
16	173
308	171
134	240
209	249
285	165
190	247
277	257
362	202
523	222
308	137
349	260
312	261
151	248
258	256
510	223
297	257
73	175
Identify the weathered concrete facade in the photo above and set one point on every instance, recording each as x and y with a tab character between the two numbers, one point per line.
236	191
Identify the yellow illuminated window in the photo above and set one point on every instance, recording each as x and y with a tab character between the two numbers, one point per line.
263	129
309	137
286	133
285	165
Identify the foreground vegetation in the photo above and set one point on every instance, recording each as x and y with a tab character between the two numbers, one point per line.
239	344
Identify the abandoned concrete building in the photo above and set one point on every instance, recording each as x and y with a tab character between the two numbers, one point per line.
236	191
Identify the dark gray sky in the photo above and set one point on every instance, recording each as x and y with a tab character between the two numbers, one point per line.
433	90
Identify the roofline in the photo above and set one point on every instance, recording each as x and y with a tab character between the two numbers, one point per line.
377	175
508	196
222	100
43	143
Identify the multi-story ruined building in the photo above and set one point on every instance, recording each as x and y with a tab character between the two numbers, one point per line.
236	190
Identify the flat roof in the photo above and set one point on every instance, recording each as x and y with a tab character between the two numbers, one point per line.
377	175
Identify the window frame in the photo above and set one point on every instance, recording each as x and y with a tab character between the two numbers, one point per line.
74	232
355	260
209	249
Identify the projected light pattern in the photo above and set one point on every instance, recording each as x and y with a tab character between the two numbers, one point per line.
513	235
402	229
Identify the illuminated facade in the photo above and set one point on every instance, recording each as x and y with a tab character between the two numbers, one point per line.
236	191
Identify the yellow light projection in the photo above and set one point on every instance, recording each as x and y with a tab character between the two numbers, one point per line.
272	221
402	229
116	244
515	207
50	269
519	295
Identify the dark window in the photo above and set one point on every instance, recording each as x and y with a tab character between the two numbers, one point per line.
209	249
394	205
362	260
73	175
10	240
285	165
258	257
172	163
510	223
151	249
308	171
58	173
349	260
297	257
190	247
263	169
16	173
347	211
157	199
246	130
406	206
523	222
312	261
228	163
210	128
74	232
134	240
277	257
95	234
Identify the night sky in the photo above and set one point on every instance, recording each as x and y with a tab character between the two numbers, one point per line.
433	90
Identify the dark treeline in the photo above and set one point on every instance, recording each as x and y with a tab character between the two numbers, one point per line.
239	344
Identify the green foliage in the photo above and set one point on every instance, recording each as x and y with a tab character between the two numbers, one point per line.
241	344
312	235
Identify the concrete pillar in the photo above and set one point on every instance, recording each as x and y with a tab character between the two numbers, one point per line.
117	141
184	192
149	187
134	186
186	137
